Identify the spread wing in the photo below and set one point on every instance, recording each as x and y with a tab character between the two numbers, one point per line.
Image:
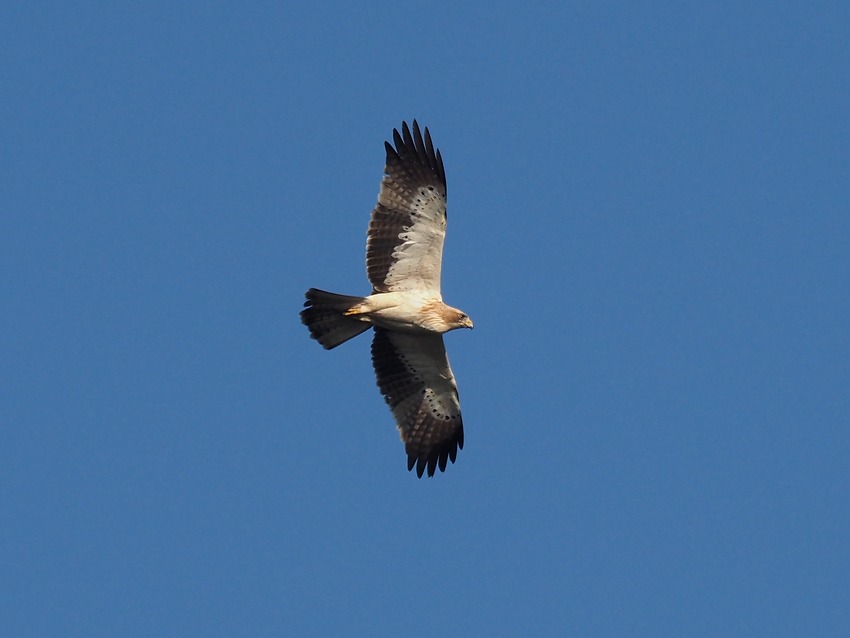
404	247
417	382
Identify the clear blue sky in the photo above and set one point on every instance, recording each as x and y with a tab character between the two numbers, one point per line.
649	222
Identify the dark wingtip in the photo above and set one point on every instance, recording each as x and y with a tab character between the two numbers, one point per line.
430	464
399	143
418	147
390	149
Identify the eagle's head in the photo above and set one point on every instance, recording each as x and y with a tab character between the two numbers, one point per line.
457	319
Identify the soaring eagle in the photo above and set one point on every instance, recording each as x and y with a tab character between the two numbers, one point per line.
404	252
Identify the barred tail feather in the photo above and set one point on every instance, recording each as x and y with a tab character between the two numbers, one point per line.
323	316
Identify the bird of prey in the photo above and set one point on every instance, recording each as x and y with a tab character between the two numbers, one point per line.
404	252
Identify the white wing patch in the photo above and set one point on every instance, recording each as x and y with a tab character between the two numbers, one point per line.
418	258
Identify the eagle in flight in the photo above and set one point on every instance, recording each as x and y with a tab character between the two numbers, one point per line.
404	252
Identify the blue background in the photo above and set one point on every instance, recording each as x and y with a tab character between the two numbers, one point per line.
648	209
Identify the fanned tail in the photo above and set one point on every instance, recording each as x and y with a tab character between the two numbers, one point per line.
324	316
